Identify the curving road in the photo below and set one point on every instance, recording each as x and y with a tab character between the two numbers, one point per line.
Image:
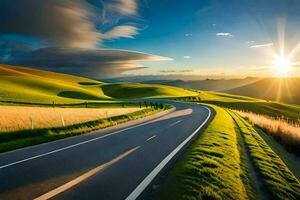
115	163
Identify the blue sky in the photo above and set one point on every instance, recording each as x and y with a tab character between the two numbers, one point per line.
178	29
106	38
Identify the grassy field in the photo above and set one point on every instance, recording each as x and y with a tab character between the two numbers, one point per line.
19	84
216	167
138	90
23	138
16	118
21	87
274	109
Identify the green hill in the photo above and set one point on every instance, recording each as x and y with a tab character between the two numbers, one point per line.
277	89
139	90
20	84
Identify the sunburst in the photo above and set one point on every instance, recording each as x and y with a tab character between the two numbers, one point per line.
282	65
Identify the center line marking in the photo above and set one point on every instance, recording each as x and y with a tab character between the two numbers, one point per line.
175	123
84	176
150	138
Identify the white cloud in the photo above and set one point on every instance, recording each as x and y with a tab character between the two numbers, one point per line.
126	31
69	23
250	42
187	57
127	7
261	45
188	35
224	34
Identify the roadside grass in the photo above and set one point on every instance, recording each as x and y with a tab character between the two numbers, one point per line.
246	170
290	159
280	181
287	134
14	140
211	167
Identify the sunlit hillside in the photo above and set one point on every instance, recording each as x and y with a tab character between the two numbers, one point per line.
20	84
279	89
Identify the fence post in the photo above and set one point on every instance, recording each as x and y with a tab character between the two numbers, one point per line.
62	119
32	125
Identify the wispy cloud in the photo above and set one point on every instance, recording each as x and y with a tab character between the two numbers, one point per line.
69	35
127	7
225	34
176	71
99	63
125	31
261	45
187	57
250	42
69	23
188	35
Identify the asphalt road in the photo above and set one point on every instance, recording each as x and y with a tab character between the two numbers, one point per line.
112	165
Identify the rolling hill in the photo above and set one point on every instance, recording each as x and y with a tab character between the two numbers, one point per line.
25	85
20	84
217	85
277	89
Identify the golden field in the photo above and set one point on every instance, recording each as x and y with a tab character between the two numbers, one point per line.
14	118
285	132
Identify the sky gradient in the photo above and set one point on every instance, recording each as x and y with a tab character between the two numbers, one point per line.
102	38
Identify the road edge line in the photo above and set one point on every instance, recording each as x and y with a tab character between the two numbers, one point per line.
150	177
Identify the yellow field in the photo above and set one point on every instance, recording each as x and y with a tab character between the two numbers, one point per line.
287	133
14	118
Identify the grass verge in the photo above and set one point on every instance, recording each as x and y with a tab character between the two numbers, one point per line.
211	167
19	139
279	180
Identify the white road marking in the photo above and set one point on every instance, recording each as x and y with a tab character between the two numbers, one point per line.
84	176
175	123
150	138
142	186
74	145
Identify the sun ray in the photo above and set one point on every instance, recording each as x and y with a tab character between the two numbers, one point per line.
279	91
281	36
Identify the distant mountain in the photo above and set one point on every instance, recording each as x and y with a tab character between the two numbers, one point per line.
278	89
166	77
208	84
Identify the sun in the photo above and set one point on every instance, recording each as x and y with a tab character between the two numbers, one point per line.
282	65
